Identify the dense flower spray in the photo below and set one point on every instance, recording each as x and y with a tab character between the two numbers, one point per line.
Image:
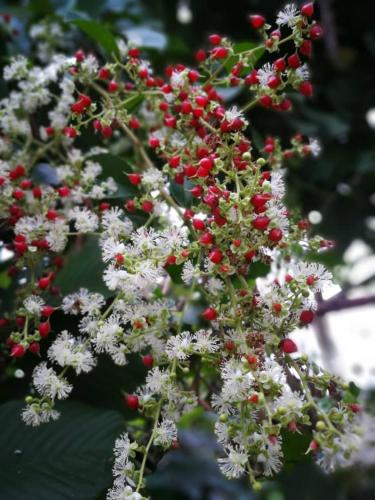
239	363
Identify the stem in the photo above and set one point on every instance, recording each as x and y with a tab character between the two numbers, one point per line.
311	400
148	446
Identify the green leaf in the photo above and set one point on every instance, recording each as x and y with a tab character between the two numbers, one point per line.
133	102
238	49
295	446
182	193
83	268
62	460
5	280
258	270
100	33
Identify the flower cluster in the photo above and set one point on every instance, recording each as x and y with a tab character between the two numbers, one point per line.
182	135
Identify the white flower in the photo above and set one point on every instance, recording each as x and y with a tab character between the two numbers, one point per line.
49	384
233	113
33	304
222	432
214	285
34	415
288	16
83	302
179	346
189	272
113	225
270	458
111	248
264	74
90	65
277	184
289	399
17	69
205	341
68	351
121	491
157	380
57	236
312	273
108	334
315	146
233	465
153	177
303	72
85	220
165	433
178	78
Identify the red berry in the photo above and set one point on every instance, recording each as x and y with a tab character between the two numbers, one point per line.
170	260
52	214
219	52
135	179
257	21
112	86
306	89
174	161
63	191
229	345
307	316
214	39
193	75
199	224
316	32
37	192
254	398
47	311
216	256
355	407
130	206
17	351
154	142
70	132
274	81
258	200
44	329
288	346
18	194
147	206
80	56
200	55
78	108
133	52
261	222
107	132
148	360
279	65
34	348
16	172
134	123
44	283
307	9
210	314
265	101
275	235
294	61
104	74
306	48
132	401
206	239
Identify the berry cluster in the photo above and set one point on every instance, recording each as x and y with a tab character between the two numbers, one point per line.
238	360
